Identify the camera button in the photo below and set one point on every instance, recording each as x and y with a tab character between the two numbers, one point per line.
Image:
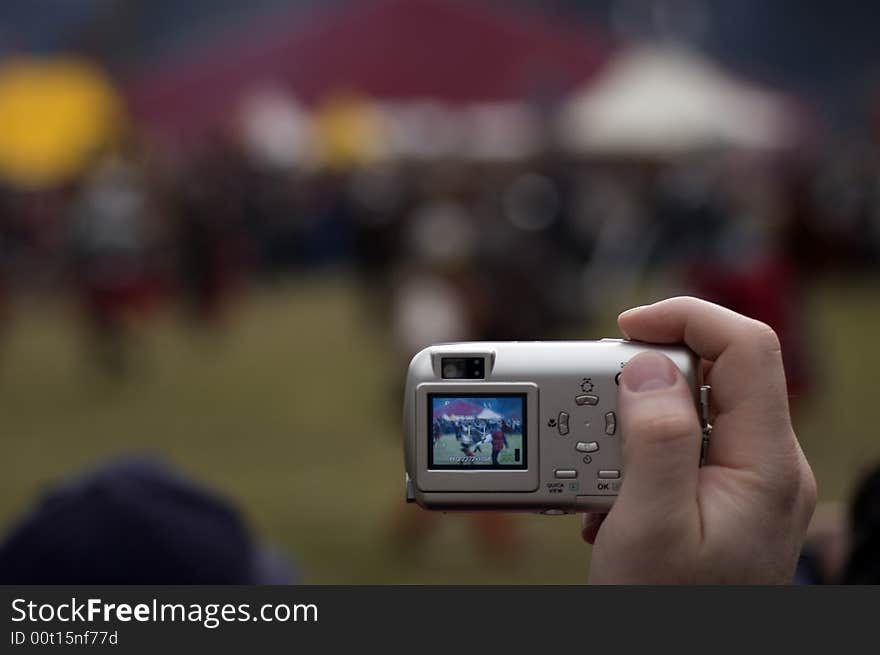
562	423
609	474
566	474
587	446
586	399
610	423
553	512
608	486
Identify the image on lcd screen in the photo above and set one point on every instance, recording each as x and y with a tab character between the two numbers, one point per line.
477	431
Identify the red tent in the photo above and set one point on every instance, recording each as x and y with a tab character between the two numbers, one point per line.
458	408
395	49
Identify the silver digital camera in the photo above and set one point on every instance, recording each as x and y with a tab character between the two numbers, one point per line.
529	426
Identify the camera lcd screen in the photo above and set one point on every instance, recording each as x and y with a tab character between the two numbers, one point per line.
477	431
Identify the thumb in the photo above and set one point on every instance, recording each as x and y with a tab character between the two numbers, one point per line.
661	438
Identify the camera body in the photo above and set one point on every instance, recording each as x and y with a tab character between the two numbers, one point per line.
526	426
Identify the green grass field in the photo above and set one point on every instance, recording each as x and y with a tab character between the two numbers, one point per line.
251	410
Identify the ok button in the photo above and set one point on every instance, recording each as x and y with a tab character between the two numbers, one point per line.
612	486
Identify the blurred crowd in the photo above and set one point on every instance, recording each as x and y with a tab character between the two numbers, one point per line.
449	248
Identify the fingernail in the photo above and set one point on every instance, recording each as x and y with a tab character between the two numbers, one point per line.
648	372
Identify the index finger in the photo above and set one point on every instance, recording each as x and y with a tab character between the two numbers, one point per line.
708	329
747	373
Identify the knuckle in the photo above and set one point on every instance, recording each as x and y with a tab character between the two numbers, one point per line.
765	337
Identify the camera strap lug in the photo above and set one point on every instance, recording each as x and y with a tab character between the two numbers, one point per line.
410	492
705	392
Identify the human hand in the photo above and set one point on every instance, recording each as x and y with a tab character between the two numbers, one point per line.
741	518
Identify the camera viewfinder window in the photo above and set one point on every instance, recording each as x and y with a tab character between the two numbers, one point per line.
477	431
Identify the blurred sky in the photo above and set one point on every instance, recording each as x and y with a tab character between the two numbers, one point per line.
825	52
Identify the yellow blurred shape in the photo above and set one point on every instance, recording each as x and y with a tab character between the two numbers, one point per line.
54	114
350	131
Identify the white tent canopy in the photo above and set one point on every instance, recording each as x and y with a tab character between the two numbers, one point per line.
665	101
489	415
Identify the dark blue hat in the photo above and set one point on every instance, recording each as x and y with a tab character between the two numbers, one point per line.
136	521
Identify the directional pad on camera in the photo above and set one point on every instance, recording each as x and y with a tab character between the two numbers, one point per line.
562	423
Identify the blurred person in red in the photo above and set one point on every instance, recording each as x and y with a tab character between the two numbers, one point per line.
111	240
499	443
741	260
